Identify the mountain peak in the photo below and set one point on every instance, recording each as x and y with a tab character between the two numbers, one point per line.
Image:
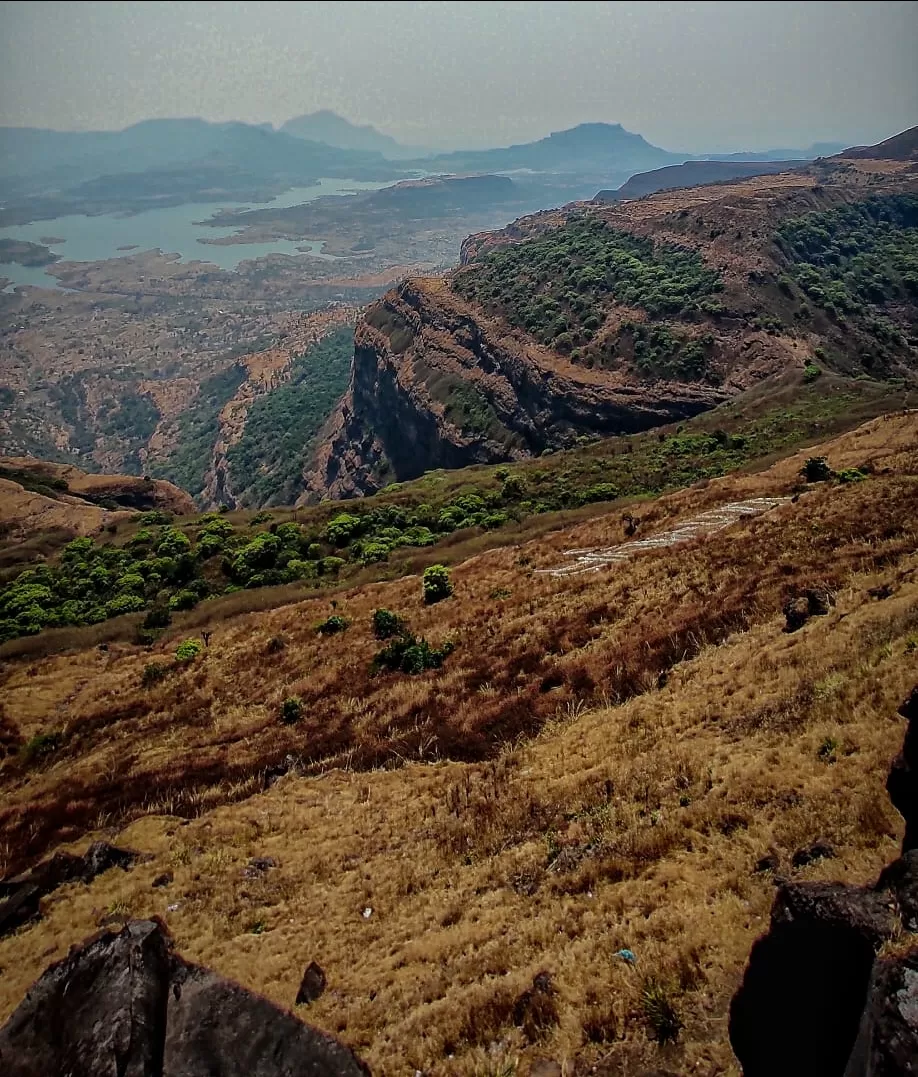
334	130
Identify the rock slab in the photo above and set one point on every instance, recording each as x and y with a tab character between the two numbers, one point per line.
127	1005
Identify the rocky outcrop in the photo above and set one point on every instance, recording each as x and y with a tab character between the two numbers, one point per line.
887	1042
127	1004
20	896
435	384
62	502
815	999
112	491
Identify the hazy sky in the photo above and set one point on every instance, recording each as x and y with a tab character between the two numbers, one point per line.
688	76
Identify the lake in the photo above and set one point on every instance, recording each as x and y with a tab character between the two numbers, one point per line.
171	229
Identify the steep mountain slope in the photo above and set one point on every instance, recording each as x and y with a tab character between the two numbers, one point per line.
901	147
620	761
600	319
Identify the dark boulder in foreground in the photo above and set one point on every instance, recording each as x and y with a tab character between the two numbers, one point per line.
127	1004
902	783
798	1009
816	1001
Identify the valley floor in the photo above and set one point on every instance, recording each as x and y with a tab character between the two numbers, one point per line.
600	766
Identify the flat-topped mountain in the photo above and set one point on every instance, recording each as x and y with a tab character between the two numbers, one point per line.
601	319
692	174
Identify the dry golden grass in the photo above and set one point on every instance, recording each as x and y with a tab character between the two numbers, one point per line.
543	801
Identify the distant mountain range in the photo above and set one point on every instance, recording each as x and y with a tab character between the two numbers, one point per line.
334	130
41	159
46	173
810	153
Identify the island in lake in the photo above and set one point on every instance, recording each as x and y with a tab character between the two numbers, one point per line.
25	253
52	241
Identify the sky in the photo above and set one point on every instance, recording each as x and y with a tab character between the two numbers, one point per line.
688	76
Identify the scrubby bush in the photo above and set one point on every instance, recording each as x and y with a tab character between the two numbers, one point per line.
157	617
153	673
387	624
816	469
851	474
342	529
188	650
411	654
331	566
332	625
436	584
811	372
173	543
291	710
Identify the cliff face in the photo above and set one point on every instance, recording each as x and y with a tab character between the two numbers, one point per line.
707	298
435	384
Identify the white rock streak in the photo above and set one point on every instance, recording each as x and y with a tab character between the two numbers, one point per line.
596	558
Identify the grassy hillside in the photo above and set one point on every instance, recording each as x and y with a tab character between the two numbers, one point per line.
158	566
843	280
599	763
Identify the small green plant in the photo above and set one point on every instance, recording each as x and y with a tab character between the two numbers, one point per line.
827	750
387	624
332	625
258	927
291	710
811	372
188	650
436	584
851	474
659	1011
817	469
153	673
41	746
500	592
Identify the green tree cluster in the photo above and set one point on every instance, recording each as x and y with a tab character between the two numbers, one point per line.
558	286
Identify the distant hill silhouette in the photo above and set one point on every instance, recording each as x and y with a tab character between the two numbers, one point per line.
334	130
814	150
589	147
692	174
42	159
